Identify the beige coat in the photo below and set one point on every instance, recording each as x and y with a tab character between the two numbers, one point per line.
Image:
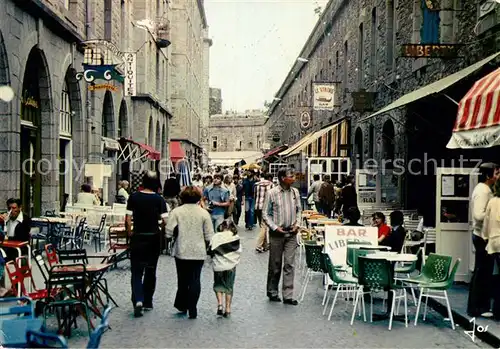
491	226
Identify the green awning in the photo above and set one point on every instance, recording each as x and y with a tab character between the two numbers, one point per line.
435	87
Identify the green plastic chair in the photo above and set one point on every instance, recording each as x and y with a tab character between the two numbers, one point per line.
436	269
315	264
359	253
407	269
429	290
345	283
376	275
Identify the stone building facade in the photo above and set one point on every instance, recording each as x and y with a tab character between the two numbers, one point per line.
56	117
215	101
237	132
357	44
189	75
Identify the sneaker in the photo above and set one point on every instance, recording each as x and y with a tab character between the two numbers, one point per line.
138	309
259	249
148	306
487	314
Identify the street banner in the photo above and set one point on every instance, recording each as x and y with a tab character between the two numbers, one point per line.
324	96
336	238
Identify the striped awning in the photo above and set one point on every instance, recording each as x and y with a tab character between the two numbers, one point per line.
478	119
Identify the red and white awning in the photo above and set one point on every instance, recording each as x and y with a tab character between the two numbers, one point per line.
132	150
478	120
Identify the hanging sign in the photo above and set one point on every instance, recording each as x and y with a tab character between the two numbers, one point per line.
430	51
305	120
324	96
130	74
101	62
108	87
363	101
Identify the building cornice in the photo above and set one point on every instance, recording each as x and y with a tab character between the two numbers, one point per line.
201	8
313	41
185	140
156	103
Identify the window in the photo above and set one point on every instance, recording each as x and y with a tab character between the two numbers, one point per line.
259	143
65	112
158	72
390	34
108	13
214	142
346	67
373	46
66	4
238	145
360	56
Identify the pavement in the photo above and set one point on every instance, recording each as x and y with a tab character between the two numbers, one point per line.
256	322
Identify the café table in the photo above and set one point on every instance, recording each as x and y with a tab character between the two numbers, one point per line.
371	247
393	258
13	331
95	273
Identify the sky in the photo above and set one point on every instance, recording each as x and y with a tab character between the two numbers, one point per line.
255	43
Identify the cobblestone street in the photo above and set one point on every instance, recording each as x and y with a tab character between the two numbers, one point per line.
256	322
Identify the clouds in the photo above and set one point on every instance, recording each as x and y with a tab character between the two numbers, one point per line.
254	45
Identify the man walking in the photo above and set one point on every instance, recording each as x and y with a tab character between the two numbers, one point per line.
314	192
146	207
217	198
281	213
326	196
248	184
479	303
260	192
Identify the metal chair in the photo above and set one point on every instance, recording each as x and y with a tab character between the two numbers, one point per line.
36	339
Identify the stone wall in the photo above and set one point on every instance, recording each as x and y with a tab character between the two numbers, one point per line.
237	132
215	101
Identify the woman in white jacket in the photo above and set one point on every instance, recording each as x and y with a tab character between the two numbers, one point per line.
491	223
225	250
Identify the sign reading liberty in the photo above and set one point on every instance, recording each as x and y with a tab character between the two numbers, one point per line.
430	45
101	59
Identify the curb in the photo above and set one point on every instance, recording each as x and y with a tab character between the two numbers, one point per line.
464	323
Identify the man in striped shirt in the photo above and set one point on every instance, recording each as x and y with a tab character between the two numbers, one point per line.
281	214
260	190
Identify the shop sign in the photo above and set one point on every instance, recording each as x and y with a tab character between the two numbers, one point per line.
363	101
430	51
305	120
130	74
29	101
102	59
108	87
324	96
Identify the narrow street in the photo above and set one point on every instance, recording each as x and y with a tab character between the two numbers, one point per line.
256	322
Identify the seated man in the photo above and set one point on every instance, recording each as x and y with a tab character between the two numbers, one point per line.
396	238
17	226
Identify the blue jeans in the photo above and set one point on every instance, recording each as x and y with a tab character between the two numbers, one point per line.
217	220
249	212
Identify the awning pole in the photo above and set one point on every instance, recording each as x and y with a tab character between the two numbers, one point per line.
451	99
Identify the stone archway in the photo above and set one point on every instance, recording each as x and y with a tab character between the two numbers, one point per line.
8	131
123	121
150	138
358	148
37	126
388	146
158	137
108	116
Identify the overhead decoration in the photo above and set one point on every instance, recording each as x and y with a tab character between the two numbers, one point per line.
305	120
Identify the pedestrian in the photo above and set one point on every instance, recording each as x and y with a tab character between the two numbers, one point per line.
171	191
217	200
348	197
260	191
281	213
491	233
479	302
314	192
146	208
228	183
248	184
191	228
326	196
239	200
225	250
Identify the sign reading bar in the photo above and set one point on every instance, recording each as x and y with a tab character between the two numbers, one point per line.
336	238
324	96
430	50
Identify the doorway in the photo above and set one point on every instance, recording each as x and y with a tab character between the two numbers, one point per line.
30	177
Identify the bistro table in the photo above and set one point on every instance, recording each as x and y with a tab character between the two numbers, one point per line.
393	258
371	247
13	331
95	273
